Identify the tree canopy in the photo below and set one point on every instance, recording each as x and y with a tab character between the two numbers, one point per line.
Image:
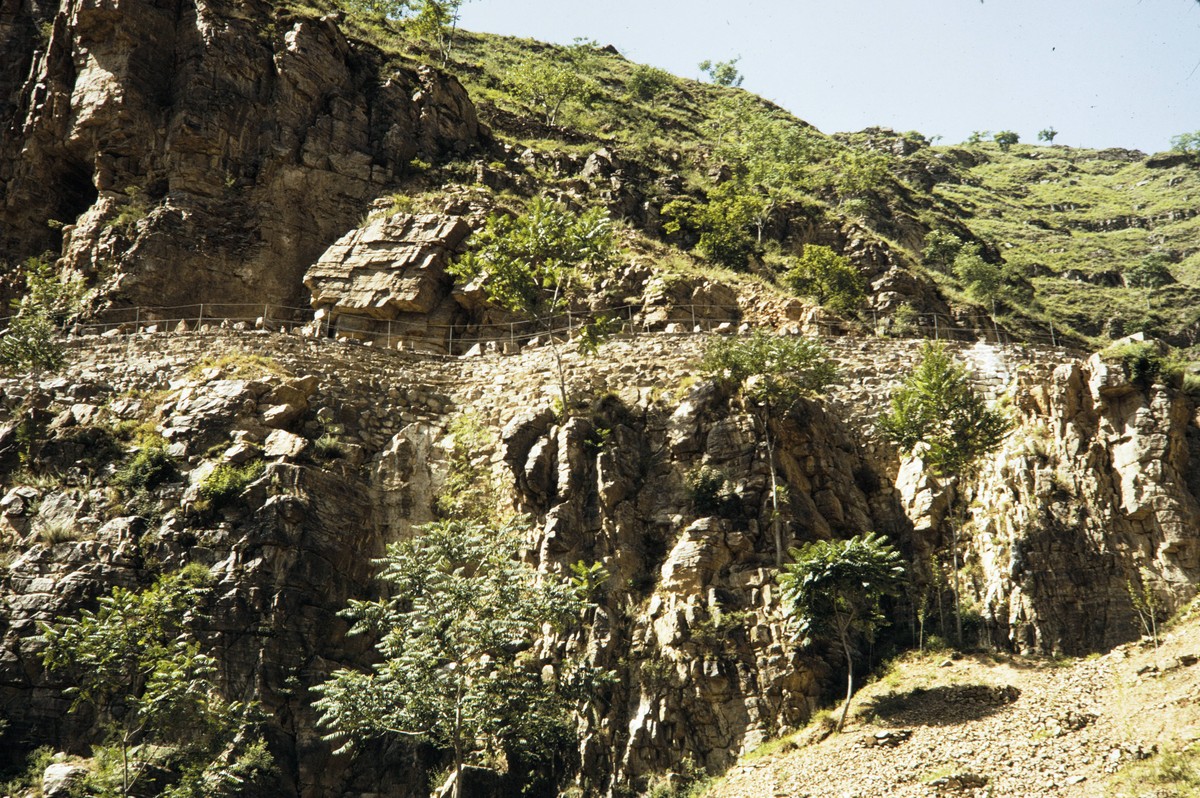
938	406
770	368
456	636
834	589
136	662
828	277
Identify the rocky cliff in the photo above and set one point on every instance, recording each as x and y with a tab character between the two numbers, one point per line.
1091	488
177	152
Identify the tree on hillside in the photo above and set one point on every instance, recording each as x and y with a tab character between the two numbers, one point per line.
1006	139
835	589
536	263
1186	142
1152	271
136	662
1047	135
772	371
458	665
548	84
828	277
983	281
723	73
937	409
941	248
32	342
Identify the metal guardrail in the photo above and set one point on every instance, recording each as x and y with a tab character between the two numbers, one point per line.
418	336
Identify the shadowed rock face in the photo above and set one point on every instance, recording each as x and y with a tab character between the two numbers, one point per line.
203	148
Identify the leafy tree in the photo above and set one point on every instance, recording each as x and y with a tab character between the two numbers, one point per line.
982	280
535	263
458	664
977	136
436	21
647	82
136	662
721	226
772	371
548	85
938	409
835	589
1186	142
1047	135
941	248
723	73
1150	272
856	174
828	277
32	343
1006	138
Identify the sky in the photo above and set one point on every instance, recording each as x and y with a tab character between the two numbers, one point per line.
1103	73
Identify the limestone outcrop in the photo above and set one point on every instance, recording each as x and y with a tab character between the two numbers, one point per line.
205	151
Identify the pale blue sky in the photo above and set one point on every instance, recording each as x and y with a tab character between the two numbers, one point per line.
1104	73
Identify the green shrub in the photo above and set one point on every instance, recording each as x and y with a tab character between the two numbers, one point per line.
226	482
149	468
708	489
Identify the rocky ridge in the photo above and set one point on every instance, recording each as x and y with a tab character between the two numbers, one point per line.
691	619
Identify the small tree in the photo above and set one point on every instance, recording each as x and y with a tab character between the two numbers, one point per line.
835	589
772	371
534	263
548	85
723	73
1006	139
937	408
436	21
458	666
982	280
136	662
32	342
828	277
1186	142
1152	271
1047	135
941	248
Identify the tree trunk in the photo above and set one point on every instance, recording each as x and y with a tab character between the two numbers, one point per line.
849	679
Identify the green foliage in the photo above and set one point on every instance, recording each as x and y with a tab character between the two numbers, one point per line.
938	407
136	662
1144	362
530	263
855	174
723	73
548	85
1006	139
647	83
1146	603
32	343
770	368
982	280
977	136
1186	142
710	493
435	21
150	467
470	490
828	277
458	665
834	589
227	481
132	211
1152	271
941	248
721	226
1047	135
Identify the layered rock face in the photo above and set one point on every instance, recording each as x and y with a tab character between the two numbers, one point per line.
1093	484
203	150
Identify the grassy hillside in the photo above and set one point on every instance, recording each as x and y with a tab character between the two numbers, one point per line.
1060	228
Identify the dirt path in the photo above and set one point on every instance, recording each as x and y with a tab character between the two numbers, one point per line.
992	726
